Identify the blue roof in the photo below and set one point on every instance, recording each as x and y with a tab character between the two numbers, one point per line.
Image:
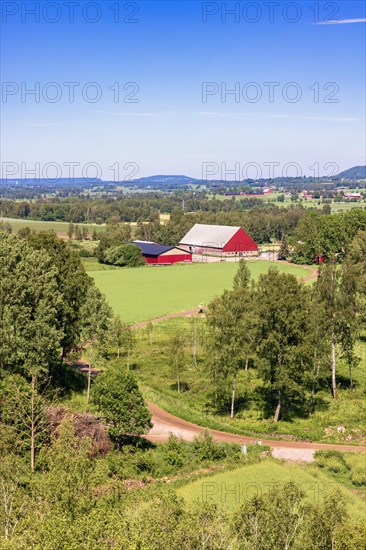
152	249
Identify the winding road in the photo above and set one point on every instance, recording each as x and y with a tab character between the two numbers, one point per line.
166	423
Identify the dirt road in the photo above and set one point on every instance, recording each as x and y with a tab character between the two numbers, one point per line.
165	423
186	313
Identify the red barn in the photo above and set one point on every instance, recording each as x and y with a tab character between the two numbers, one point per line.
161	254
218	239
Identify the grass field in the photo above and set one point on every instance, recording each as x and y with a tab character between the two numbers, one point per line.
151	362
231	489
58	227
308	203
144	293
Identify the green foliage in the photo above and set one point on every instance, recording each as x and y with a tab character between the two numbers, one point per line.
283	307
115	236
5	227
176	457
124	255
319	233
207	449
323	521
72	282
284	250
349	467
230	322
242	276
29	303
176	352
22	412
120	339
118	399
270	522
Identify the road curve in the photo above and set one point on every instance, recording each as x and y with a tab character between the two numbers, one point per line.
165	423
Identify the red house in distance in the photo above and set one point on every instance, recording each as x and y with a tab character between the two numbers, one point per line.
218	239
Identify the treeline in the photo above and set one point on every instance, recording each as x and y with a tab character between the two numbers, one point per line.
50	310
329	235
291	334
130	208
311	233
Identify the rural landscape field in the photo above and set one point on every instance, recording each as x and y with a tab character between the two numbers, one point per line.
145	293
182	275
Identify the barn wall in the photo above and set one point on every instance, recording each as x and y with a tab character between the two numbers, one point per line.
172	259
169	259
241	242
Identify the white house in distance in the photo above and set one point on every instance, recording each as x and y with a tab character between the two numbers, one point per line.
218	239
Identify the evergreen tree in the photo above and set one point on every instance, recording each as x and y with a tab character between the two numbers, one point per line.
284	250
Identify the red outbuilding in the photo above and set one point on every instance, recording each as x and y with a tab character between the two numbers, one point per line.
155	253
218	239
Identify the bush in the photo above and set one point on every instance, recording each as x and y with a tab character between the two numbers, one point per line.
206	448
333	461
117	397
124	255
358	476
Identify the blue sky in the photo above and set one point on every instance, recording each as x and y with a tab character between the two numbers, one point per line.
163	53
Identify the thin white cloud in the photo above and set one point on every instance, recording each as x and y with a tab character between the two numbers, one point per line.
342	21
119	113
220	114
315	117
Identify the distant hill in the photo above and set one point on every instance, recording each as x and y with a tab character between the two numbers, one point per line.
50	182
355	173
165	180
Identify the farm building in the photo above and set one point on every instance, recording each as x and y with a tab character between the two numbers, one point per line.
218	239
155	253
352	195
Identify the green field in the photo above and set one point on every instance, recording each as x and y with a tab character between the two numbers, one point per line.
58	227
231	489
151	361
147	292
308	203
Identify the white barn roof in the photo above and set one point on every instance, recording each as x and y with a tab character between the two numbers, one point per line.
209	235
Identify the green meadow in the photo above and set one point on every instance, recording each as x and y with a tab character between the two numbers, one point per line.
143	293
306	203
57	227
231	489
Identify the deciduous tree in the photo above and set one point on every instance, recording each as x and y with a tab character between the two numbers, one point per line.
282	306
117	397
